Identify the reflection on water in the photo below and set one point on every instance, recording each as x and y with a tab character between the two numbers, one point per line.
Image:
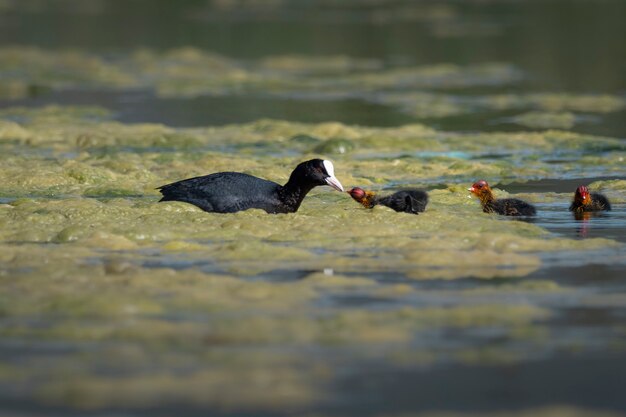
558	219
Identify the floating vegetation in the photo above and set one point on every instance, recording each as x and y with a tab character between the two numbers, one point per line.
127	301
543	120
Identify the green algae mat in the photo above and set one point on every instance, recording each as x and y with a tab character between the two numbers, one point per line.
128	301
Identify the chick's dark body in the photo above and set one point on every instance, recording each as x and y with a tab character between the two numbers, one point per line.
407	201
505	206
510	207
598	203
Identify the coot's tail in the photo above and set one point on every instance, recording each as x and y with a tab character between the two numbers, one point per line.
170	192
188	191
180	191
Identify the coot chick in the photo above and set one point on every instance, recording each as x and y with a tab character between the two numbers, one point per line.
406	201
505	206
229	192
585	201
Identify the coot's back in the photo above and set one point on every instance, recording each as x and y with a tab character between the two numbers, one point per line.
226	192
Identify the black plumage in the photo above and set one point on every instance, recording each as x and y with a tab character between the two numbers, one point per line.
229	192
510	207
505	206
584	201
406	201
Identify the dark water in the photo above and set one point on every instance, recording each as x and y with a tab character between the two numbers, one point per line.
559	185
570	45
146	107
557	219
560	46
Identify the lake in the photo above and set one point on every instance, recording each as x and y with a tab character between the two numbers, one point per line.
112	304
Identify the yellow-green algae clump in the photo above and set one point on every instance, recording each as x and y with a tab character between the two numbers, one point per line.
546	411
223	303
103	177
428	91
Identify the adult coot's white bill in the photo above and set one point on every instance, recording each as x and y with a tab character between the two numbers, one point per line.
229	192
505	206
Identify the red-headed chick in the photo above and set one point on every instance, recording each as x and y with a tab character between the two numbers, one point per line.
406	201
505	206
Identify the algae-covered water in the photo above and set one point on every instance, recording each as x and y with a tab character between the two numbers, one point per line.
112	304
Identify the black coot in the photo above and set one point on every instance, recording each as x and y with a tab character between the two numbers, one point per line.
585	201
406	201
229	192
505	206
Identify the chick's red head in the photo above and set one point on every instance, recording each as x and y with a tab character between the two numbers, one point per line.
582	195
357	193
479	187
